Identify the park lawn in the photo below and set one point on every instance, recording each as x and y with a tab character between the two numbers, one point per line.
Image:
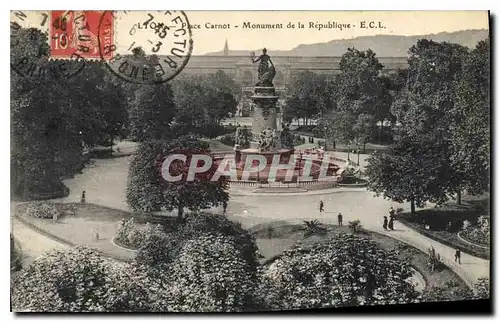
286	236
79	229
438	218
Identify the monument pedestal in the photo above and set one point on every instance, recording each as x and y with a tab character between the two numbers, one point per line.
265	137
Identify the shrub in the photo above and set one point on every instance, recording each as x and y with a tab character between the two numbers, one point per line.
199	224
355	226
210	275
441	294
43	210
348	271
158	251
134	289
434	261
69	281
228	139
15	256
131	235
313	227
482	288
479	233
81	280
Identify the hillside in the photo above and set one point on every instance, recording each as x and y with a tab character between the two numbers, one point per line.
382	45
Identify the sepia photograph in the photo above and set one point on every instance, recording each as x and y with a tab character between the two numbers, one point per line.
250	161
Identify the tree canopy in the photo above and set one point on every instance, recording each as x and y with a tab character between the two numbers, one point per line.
148	191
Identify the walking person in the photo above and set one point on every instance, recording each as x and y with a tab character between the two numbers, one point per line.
392	213
339	217
457	255
82	200
224	207
321	206
385	223
391	223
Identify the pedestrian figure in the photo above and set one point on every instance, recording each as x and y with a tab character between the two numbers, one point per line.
457	256
339	217
385	223
321	206
392	212
224	207
96	235
82	200
391	223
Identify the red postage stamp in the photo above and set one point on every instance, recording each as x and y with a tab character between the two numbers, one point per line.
74	34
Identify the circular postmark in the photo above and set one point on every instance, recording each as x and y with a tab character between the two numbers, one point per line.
37	40
145	47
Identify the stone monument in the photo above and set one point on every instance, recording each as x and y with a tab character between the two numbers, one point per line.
265	135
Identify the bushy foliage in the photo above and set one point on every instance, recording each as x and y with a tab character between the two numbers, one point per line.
454	293
15	256
70	281
313	227
228	139
479	233
159	251
210	275
132	235
482	288
200	224
441	294
81	280
43	210
434	261
348	271
355	226
134	289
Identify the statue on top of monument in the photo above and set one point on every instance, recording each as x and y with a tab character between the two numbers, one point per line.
266	69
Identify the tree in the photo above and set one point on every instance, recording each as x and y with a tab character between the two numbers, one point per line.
426	108
432	70
411	170
363	128
361	90
210	275
45	141
347	271
203	103
148	191
97	106
152	113
470	131
309	96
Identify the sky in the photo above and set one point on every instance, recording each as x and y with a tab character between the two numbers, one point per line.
206	39
395	23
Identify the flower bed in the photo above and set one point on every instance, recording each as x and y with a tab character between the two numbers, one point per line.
49	211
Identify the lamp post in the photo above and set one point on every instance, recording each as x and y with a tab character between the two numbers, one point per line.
358	146
348	151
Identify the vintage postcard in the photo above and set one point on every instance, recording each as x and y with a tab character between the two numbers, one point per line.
250	161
